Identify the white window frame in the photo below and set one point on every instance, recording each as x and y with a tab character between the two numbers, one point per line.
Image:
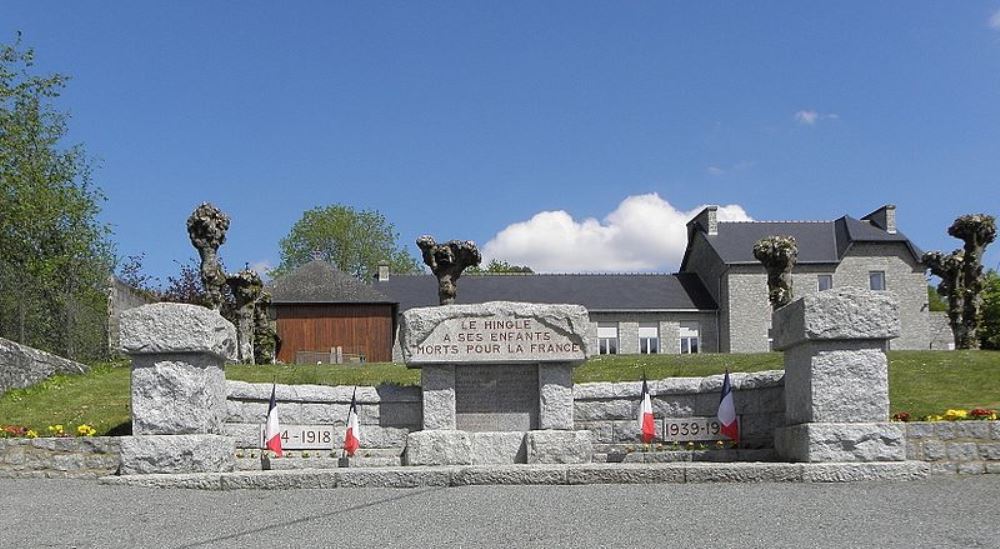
606	343
881	277
649	338
690	337
821	278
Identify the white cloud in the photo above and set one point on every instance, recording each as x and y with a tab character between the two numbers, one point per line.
644	233
995	20
262	267
806	117
715	170
809	117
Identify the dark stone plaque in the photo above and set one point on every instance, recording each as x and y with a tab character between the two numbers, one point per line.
496	397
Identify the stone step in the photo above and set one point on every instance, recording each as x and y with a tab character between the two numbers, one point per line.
615	455
294	463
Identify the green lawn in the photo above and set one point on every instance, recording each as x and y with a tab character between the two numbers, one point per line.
920	382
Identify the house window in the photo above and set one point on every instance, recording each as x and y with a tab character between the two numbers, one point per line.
876	280
649	338
689	337
607	338
825	282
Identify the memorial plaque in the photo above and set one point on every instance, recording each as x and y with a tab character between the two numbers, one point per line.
684	429
305	437
496	397
495	332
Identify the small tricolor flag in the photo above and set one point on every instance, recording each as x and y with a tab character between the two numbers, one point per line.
272	432
727	411
646	425
352	438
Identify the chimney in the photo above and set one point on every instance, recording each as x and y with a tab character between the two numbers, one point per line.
383	271
883	218
707	220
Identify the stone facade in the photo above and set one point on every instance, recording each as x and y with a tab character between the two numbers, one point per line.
22	366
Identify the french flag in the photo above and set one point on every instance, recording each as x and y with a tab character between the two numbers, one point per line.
352	438
272	432
646	425
727	411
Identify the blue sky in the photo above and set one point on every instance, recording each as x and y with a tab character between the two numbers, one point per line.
463	119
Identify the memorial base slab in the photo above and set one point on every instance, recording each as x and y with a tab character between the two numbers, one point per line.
173	454
558	446
841	442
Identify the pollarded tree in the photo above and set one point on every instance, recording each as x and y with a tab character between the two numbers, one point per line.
961	274
55	256
354	240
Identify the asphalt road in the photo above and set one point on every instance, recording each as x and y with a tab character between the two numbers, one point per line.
938	512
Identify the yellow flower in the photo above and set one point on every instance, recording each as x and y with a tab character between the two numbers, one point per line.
954	415
85	430
31	434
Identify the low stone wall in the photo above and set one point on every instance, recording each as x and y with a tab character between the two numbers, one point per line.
22	366
965	447
609	410
387	413
88	457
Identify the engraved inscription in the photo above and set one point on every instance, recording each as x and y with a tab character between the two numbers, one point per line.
496	397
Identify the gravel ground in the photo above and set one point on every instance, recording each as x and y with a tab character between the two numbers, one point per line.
937	512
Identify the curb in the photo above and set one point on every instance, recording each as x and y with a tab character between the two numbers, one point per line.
624	473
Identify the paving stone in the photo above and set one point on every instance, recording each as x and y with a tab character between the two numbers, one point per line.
555	393
514	474
405	477
626	474
273	480
438	382
989	451
853	472
838	314
935	450
745	472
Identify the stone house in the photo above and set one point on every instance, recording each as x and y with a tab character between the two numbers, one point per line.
717	302
868	253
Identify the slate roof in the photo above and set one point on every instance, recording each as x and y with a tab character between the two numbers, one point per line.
320	282
596	292
818	241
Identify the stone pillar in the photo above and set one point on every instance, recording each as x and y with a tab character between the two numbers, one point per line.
178	356
836	377
437	383
555	396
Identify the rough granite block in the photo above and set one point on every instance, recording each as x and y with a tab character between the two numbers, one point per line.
178	394
841	442
838	314
172	454
558	446
166	328
438	447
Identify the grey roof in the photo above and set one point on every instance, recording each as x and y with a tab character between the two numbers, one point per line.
320	282
607	292
818	241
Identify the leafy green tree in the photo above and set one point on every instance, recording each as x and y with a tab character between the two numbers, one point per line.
55	256
934	300
354	240
499	266
989	329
